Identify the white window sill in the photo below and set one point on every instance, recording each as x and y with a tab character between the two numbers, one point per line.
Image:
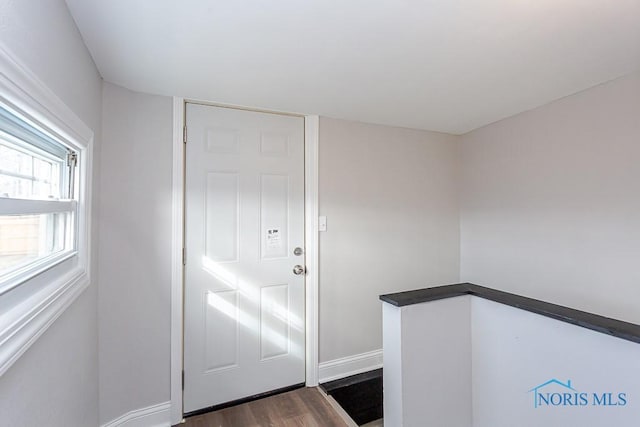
33	269
24	323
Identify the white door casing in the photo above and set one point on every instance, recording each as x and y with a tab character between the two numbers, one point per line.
244	330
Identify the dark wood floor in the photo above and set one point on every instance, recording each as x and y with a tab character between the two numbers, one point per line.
304	407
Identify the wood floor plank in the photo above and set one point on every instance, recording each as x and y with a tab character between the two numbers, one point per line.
240	415
304	407
285	406
320	409
306	420
261	410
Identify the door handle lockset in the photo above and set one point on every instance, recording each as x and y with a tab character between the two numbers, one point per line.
298	270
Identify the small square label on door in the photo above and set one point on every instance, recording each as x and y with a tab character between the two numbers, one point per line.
274	240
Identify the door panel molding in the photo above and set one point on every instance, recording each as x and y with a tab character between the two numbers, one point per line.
311	132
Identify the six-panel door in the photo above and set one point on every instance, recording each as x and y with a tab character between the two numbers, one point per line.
244	216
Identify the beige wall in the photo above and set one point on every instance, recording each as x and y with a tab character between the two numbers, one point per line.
55	383
390	197
550	203
135	251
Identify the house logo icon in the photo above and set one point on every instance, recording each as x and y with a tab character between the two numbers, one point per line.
536	394
554	393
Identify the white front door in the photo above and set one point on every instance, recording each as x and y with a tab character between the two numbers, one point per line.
244	213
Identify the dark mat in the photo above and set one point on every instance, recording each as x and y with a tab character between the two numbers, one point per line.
359	395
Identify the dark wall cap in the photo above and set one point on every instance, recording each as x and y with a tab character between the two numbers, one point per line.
617	328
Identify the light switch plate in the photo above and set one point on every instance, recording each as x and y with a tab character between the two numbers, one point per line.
322	223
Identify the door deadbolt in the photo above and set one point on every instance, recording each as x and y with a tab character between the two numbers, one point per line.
298	251
298	270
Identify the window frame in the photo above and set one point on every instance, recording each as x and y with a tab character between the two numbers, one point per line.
31	301
20	206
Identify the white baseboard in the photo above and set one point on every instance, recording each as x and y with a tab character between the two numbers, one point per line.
351	365
152	416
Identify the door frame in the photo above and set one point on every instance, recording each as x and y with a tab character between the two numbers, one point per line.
311	140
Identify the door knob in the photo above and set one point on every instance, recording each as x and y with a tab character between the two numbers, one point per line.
298	269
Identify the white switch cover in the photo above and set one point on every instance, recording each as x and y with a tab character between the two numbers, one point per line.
322	223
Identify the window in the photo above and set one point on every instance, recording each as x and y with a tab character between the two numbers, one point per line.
45	199
37	200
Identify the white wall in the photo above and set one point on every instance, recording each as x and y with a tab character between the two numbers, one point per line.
549	203
390	197
135	251
55	383
427	364
514	351
466	361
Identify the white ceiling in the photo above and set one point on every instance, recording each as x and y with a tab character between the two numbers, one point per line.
443	65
